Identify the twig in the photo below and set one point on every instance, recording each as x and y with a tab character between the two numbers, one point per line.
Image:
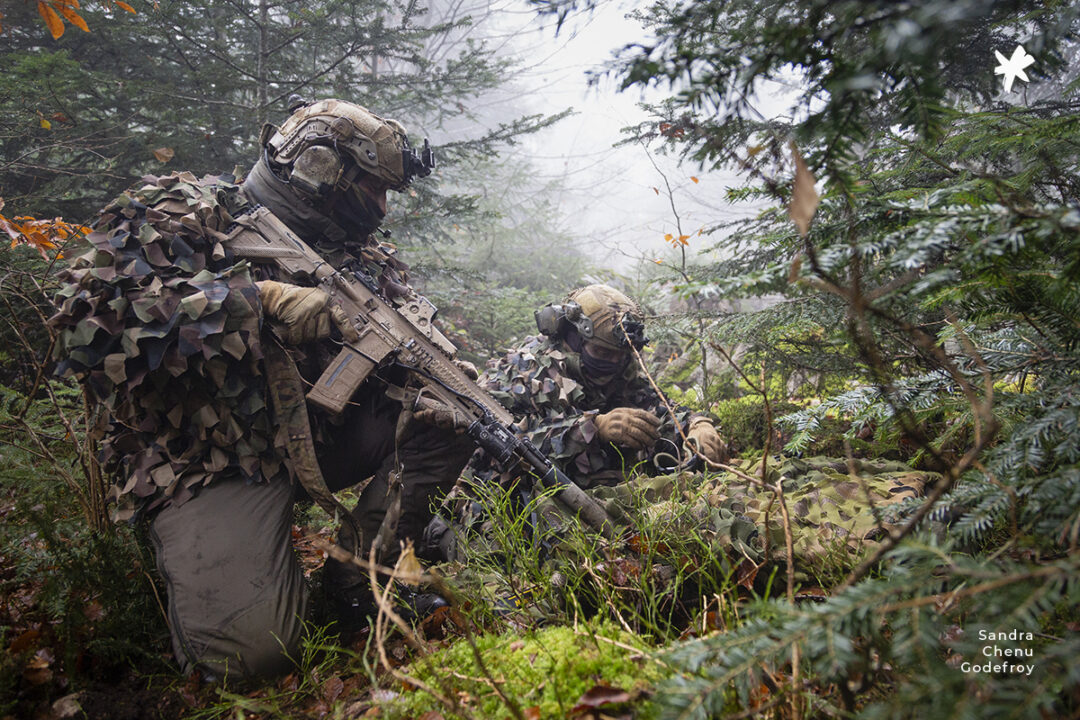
386	610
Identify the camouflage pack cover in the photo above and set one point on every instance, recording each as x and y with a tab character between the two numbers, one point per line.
162	324
541	383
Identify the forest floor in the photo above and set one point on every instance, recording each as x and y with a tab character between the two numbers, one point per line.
76	648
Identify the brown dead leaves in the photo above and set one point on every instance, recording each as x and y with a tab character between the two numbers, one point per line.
42	235
804	198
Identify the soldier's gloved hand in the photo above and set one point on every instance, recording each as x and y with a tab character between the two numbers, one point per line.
303	313
628	427
432	412
703	438
468	368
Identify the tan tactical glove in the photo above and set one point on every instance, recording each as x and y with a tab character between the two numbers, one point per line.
628	427
468	368
304	314
703	438
433	412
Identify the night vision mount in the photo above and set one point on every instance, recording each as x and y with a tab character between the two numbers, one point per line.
417	165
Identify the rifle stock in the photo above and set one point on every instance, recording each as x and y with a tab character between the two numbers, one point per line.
404	336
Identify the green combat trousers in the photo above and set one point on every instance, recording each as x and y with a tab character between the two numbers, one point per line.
236	593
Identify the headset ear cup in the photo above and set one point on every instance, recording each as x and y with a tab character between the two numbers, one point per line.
551	320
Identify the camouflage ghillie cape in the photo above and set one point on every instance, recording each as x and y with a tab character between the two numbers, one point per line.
162	324
717	523
541	383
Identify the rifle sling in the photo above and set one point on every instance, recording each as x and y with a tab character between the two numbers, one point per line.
290	410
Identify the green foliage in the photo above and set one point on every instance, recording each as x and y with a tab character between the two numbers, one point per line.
939	277
81	600
530	565
891	633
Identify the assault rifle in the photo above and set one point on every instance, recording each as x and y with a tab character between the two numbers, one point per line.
406	337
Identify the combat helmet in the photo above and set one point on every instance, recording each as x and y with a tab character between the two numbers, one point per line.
597	312
312	149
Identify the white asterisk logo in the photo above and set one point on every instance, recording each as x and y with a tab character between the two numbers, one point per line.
1013	67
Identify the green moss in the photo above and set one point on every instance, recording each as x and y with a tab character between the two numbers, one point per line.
550	669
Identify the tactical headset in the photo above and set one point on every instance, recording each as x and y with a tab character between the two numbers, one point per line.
555	319
319	169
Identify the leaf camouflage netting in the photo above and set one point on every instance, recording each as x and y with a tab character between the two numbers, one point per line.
162	324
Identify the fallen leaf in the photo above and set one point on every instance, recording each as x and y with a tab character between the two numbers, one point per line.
432	715
331	689
804	198
600	695
656	190
66	707
696	181
24	641
532	713
746	573
94	611
290	682
164	154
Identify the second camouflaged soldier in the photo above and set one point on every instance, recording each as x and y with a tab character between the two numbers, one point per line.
579	394
582	397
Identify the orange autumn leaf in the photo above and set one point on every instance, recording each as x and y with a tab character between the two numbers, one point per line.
696	181
52	20
125	6
73	17
656	190
164	154
683	239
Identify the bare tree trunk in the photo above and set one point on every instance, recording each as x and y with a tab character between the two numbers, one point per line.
262	61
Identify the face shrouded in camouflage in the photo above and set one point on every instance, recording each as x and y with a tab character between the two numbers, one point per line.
342	158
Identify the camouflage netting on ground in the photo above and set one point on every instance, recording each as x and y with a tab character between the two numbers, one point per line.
162	324
831	509
718	523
